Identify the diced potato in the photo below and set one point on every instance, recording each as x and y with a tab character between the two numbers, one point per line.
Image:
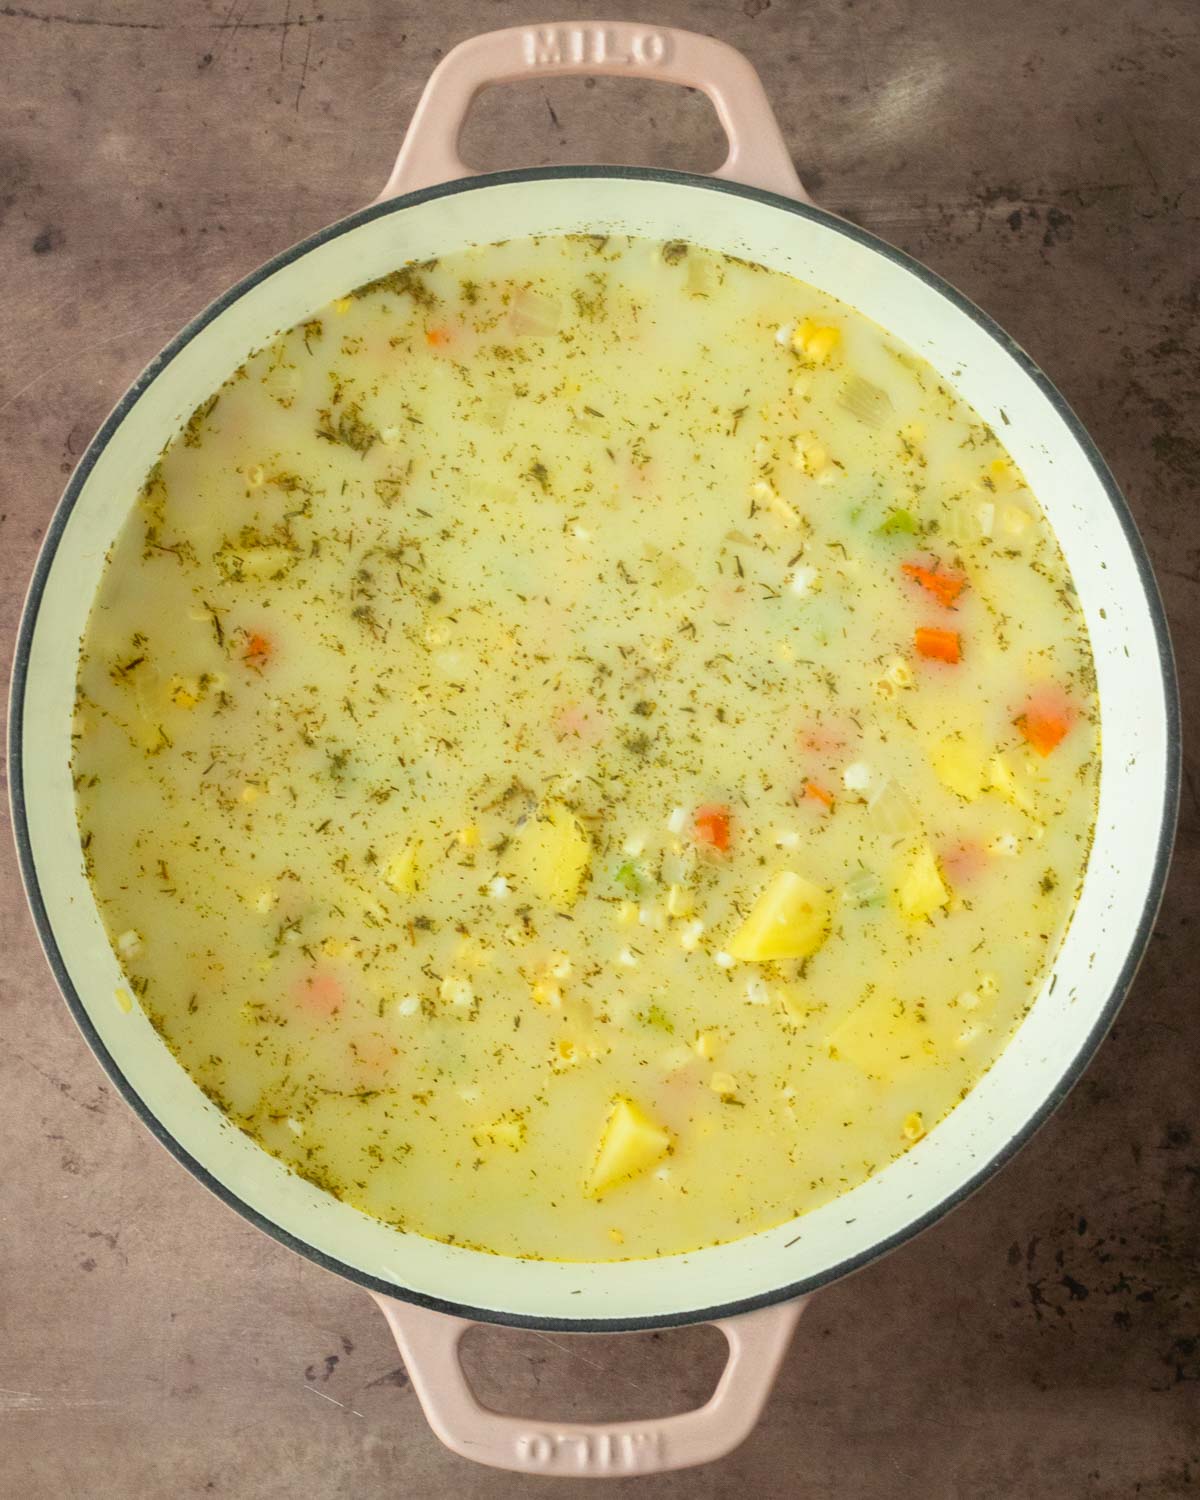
1002	778
959	763
809	453
632	1143
789	920
265	561
553	854
883	1039
185	692
402	871
679	901
546	992
1015	521
1001	476
508	1130
920	889
797	1006
702	278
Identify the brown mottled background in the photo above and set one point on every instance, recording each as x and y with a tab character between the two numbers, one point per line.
1041	154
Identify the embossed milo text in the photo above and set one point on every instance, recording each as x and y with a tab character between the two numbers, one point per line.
591	1452
552	46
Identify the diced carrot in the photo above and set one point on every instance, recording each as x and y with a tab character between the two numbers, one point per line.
437	338
962	862
258	649
583	720
938	645
1044	727
816	793
373	1055
712	827
824	739
320	993
944	586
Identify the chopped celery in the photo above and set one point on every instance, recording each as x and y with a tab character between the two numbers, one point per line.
864	888
897	521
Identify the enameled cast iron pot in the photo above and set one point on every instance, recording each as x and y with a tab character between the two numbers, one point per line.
753	207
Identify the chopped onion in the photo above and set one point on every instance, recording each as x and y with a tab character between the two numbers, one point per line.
869	403
891	808
534	315
864	888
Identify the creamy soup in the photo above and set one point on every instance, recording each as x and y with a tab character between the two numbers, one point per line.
586	748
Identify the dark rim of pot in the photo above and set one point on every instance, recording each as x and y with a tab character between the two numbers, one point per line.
1121	982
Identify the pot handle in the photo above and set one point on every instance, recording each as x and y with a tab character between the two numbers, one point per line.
429	1341
757	155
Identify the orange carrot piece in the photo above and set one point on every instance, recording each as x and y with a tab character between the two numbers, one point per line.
712	827
818	793
258	649
945	587
437	338
321	993
937	645
822	739
961	863
1043	728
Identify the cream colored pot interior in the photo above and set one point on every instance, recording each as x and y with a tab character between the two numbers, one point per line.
1122	878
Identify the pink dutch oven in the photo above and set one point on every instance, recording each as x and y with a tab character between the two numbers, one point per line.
755	1289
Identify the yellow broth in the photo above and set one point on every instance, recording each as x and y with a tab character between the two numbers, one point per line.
586	748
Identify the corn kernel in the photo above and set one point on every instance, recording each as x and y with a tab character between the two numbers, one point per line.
627	913
913	1128
437	631
457	991
546	992
1015	520
816	341
468	837
1000	475
724	1084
